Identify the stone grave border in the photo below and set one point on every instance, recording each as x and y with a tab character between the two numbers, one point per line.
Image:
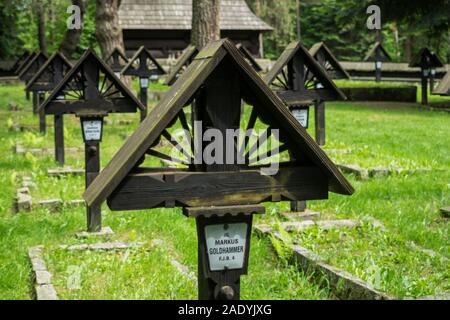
342	284
311	263
41	277
22	151
24	202
378	172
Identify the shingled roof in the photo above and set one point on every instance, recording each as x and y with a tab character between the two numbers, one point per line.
177	15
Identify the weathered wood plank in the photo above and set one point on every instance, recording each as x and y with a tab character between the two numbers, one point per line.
194	189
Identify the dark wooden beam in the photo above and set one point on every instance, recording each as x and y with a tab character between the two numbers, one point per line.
193	189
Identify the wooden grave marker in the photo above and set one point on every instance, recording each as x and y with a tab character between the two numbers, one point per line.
91	91
300	81
278	161
146	68
427	61
328	61
117	60
378	55
46	80
28	72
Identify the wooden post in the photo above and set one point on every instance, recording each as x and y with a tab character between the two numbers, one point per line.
59	139
35	102
27	95
424	88
298	206
432	75
42	125
205	285
377	71
319	113
92	158
143	94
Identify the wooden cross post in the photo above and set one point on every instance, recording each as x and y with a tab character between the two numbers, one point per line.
219	107
59	139
42	124
378	65
92	148
424	78
143	95
319	113
58	119
35	99
432	76
92	160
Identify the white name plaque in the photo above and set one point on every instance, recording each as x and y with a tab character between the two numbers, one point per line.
226	245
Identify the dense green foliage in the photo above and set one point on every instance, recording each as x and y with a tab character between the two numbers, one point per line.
407	26
19	29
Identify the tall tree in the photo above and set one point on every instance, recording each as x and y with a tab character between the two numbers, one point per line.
40	16
72	36
299	25
205	22
108	31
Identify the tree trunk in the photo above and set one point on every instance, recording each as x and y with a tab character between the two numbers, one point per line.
205	22
258	10
299	25
72	37
40	15
448	48
408	48
108	31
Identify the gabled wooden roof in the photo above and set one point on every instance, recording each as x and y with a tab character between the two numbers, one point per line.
25	62
444	86
177	15
377	48
320	51
181	93
130	69
43	76
72	81
183	61
33	66
296	49
21	60
426	59
116	59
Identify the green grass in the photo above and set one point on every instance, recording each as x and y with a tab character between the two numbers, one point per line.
147	275
369	84
379	136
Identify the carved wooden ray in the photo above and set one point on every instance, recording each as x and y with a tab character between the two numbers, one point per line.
32	67
326	58
143	65
426	59
219	75
51	73
183	62
91	86
377	53
300	80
